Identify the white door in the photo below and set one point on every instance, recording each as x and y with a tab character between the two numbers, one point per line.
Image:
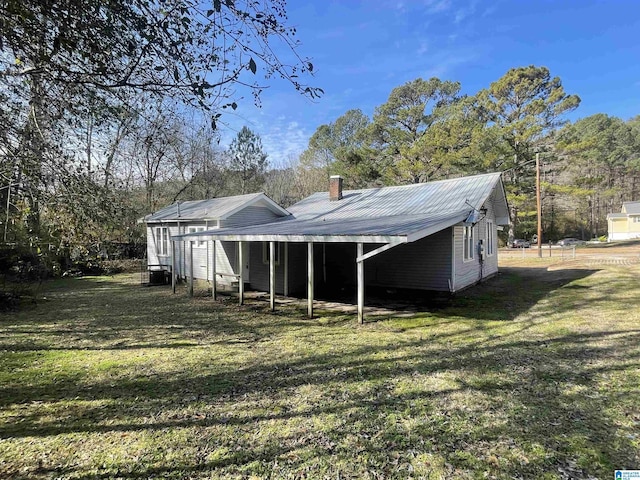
245	261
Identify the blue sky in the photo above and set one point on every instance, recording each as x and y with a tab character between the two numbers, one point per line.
361	50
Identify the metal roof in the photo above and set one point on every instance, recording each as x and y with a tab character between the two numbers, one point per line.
396	229
212	209
631	208
379	215
456	194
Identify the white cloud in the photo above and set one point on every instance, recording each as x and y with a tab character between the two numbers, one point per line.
437	6
422	48
464	12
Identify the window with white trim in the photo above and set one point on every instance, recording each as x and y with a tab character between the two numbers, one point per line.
635	219
468	241
197	243
491	238
162	240
266	250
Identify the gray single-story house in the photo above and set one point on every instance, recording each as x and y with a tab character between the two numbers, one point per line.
204	215
436	236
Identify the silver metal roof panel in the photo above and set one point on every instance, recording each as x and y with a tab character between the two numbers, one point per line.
404	213
212	209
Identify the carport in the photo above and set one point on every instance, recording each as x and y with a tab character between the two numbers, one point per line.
371	237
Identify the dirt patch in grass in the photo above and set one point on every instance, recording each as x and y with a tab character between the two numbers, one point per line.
533	374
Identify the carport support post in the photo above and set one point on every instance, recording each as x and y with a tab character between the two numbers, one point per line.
213	269
173	266
190	268
272	275
360	264
310	279
241	274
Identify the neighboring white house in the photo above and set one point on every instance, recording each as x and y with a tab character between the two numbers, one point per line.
199	216
437	236
625	225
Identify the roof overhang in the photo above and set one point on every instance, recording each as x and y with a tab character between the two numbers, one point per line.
295	238
178	220
399	231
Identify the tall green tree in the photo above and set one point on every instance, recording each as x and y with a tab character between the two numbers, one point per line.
247	160
633	165
340	147
523	109
599	153
400	125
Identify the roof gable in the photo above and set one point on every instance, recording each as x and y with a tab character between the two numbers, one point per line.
631	208
212	209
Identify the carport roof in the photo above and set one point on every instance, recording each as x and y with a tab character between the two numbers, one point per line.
380	215
395	229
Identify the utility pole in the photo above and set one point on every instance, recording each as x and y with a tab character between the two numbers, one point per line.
539	204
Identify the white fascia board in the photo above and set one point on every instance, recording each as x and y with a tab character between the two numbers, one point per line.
394	239
499	187
183	220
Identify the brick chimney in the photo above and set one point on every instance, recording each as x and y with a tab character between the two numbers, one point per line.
335	187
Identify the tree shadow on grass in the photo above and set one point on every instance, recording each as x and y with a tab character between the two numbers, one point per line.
509	405
544	394
513	292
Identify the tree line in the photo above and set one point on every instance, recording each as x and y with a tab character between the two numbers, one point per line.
427	130
109	110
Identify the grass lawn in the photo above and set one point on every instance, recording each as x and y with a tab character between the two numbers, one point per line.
534	374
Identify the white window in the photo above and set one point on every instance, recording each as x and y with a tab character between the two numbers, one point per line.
197	243
162	240
468	243
636	219
491	233
265	253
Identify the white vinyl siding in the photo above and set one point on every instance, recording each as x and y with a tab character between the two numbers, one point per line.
468	272
252	215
